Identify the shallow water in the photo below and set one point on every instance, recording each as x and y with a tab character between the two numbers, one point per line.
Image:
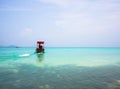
60	68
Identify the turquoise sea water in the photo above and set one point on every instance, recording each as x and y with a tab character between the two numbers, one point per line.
60	68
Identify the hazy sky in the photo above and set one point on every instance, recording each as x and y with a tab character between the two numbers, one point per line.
83	23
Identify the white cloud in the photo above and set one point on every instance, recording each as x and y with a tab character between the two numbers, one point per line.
89	13
87	21
88	16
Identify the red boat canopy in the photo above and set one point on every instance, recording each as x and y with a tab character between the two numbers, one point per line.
40	42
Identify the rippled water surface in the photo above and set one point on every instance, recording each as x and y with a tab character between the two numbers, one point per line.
60	68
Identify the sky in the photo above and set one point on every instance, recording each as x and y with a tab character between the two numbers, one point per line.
60	23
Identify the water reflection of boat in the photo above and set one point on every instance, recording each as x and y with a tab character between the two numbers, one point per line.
40	57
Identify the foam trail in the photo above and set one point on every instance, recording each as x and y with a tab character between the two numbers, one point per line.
24	55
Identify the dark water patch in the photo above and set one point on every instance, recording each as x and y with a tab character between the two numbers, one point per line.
61	77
